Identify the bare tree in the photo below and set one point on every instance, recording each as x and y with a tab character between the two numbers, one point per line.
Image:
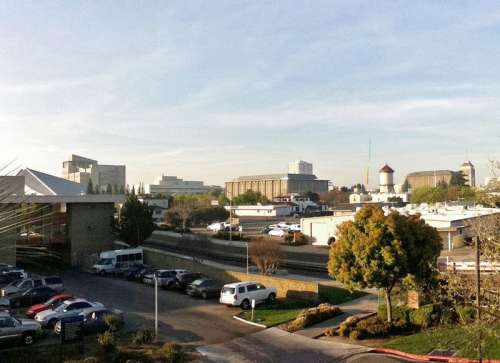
266	255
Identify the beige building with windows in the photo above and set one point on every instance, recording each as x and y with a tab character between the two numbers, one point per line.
81	170
276	185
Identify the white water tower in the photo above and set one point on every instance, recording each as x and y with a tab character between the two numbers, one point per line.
386	179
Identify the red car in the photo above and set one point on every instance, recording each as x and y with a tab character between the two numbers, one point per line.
49	304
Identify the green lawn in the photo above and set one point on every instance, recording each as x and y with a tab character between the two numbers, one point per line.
454	338
337	295
282	311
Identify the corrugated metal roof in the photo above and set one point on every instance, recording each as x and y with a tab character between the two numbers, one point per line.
431	173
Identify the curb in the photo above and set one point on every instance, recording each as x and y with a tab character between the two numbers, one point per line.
249	322
428	358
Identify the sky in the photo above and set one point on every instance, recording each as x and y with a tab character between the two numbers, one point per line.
210	90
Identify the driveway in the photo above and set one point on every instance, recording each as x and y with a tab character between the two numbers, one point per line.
181	317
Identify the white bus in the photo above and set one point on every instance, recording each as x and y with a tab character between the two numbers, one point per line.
110	261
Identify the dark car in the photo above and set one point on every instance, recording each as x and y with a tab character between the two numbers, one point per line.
139	275
92	320
204	287
9	278
29	297
186	278
132	271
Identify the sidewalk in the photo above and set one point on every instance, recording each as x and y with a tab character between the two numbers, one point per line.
363	306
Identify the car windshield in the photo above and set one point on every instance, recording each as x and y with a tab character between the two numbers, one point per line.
104	261
228	290
61	307
19	283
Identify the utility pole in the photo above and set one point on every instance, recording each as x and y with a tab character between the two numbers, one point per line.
231	218
478	295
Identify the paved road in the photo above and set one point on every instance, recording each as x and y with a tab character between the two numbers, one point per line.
276	346
181	318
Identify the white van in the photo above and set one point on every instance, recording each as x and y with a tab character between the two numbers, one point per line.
108	260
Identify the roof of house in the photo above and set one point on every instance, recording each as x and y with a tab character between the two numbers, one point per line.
386	169
431	173
283	176
54	184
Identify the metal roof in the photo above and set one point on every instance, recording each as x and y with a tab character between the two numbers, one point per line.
431	173
53	184
281	176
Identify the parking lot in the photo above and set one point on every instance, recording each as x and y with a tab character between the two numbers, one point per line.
181	318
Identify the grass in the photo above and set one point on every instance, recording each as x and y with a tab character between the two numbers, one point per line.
282	311
337	295
454	338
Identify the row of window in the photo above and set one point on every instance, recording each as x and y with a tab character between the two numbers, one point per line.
130	257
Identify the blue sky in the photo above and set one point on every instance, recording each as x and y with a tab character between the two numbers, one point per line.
210	90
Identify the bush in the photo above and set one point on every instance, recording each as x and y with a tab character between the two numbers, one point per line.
374	327
173	353
107	341
425	316
207	215
143	337
348	325
300	239
356	335
448	316
398	312
313	316
112	321
236	236
467	314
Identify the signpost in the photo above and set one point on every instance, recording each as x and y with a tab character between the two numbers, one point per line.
253	307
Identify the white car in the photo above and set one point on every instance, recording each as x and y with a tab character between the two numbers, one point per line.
294	228
242	294
67	308
277	232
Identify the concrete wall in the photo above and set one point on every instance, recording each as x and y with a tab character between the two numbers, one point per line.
89	227
285	287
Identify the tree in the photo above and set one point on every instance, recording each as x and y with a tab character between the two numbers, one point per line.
97	189
90	187
381	251
313	197
335	197
457	178
136	221
122	190
405	187
109	189
266	255
250	197
115	189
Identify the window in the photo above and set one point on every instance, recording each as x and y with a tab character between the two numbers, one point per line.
7	322
53	280
260	287
241	289
26	285
38	283
251	288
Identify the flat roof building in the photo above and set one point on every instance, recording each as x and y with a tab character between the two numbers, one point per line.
276	185
169	185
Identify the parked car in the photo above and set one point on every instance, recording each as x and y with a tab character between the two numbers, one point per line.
204	287
138	276
50	317
133	271
55	283
221	226
242	294
52	303
92	319
6	279
27	298
277	232
166	278
13	329
186	278
294	228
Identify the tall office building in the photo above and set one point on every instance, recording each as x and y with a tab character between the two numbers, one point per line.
81	170
300	167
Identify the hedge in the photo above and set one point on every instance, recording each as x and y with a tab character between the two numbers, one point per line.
398	312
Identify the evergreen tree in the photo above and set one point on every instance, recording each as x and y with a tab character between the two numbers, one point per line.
90	187
97	189
127	190
122	190
109	189
132	192
115	189
136	221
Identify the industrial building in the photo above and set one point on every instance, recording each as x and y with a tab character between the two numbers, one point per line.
44	215
433	178
278	185
81	170
452	223
300	167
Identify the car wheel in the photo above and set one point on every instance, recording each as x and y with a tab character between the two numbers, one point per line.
28	338
102	273
52	323
271	298
245	304
204	295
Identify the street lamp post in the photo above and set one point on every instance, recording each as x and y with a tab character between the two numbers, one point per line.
156	307
231	219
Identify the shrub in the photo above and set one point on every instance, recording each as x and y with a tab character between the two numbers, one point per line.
448	316
467	314
143	337
300	239
173	353
313	316
423	316
374	327
344	330
236	236
356	334
398	312
112	321
107	341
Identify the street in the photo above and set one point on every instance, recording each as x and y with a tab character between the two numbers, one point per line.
181	317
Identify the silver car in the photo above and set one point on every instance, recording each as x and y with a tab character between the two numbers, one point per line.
23	330
55	283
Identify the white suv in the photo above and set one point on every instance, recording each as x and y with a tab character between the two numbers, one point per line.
242	294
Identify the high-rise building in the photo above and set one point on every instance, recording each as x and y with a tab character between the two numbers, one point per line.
469	173
81	170
300	167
